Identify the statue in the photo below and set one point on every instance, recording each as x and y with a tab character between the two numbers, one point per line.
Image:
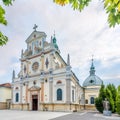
106	104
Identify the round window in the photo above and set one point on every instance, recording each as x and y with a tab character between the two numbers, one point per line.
35	66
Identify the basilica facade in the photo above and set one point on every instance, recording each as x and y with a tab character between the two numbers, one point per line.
46	81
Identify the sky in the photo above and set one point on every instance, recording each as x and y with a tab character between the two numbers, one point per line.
81	34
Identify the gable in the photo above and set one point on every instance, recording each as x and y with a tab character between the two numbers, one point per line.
34	35
59	60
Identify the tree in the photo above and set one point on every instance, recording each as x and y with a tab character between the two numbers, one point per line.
3	38
99	100
111	94
108	92
110	99
112	88
112	8
118	100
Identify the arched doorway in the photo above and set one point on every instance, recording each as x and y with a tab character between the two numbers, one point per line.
34	102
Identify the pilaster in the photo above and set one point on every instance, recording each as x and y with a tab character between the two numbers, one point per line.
51	60
68	90
21	92
42	90
51	89
12	95
42	62
68	84
26	91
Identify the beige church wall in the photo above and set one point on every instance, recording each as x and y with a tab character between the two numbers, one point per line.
61	86
57	60
25	106
91	93
90	107
87	107
38	39
77	91
30	63
73	87
46	90
48	107
56	86
16	107
46	56
60	107
16	89
78	94
19	107
3	105
23	64
24	94
31	82
5	93
61	70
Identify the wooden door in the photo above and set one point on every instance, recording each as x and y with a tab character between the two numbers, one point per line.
34	102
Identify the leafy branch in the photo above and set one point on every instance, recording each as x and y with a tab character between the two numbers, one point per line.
3	38
112	8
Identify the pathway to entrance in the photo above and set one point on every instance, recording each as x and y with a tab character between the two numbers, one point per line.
87	116
29	115
38	115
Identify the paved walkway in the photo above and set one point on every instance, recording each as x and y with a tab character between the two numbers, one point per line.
29	115
39	115
87	116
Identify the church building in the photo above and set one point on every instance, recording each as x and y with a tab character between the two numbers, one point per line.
45	81
91	87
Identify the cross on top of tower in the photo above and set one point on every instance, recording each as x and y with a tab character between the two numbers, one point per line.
35	26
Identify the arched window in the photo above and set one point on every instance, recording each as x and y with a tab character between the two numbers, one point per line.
59	94
92	100
17	97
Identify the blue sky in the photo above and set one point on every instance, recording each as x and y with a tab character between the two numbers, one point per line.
79	34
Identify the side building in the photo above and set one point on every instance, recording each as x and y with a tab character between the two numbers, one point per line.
45	81
5	95
91	86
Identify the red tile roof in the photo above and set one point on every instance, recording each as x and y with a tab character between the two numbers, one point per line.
5	85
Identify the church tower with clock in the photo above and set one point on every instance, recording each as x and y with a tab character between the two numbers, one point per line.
45	80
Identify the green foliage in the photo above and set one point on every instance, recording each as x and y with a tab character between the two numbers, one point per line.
102	93
111	94
99	100
108	92
118	100
112	8
99	104
76	4
112	88
110	99
8	2
2	16
3	38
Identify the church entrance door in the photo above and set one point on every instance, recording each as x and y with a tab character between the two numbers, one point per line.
34	102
